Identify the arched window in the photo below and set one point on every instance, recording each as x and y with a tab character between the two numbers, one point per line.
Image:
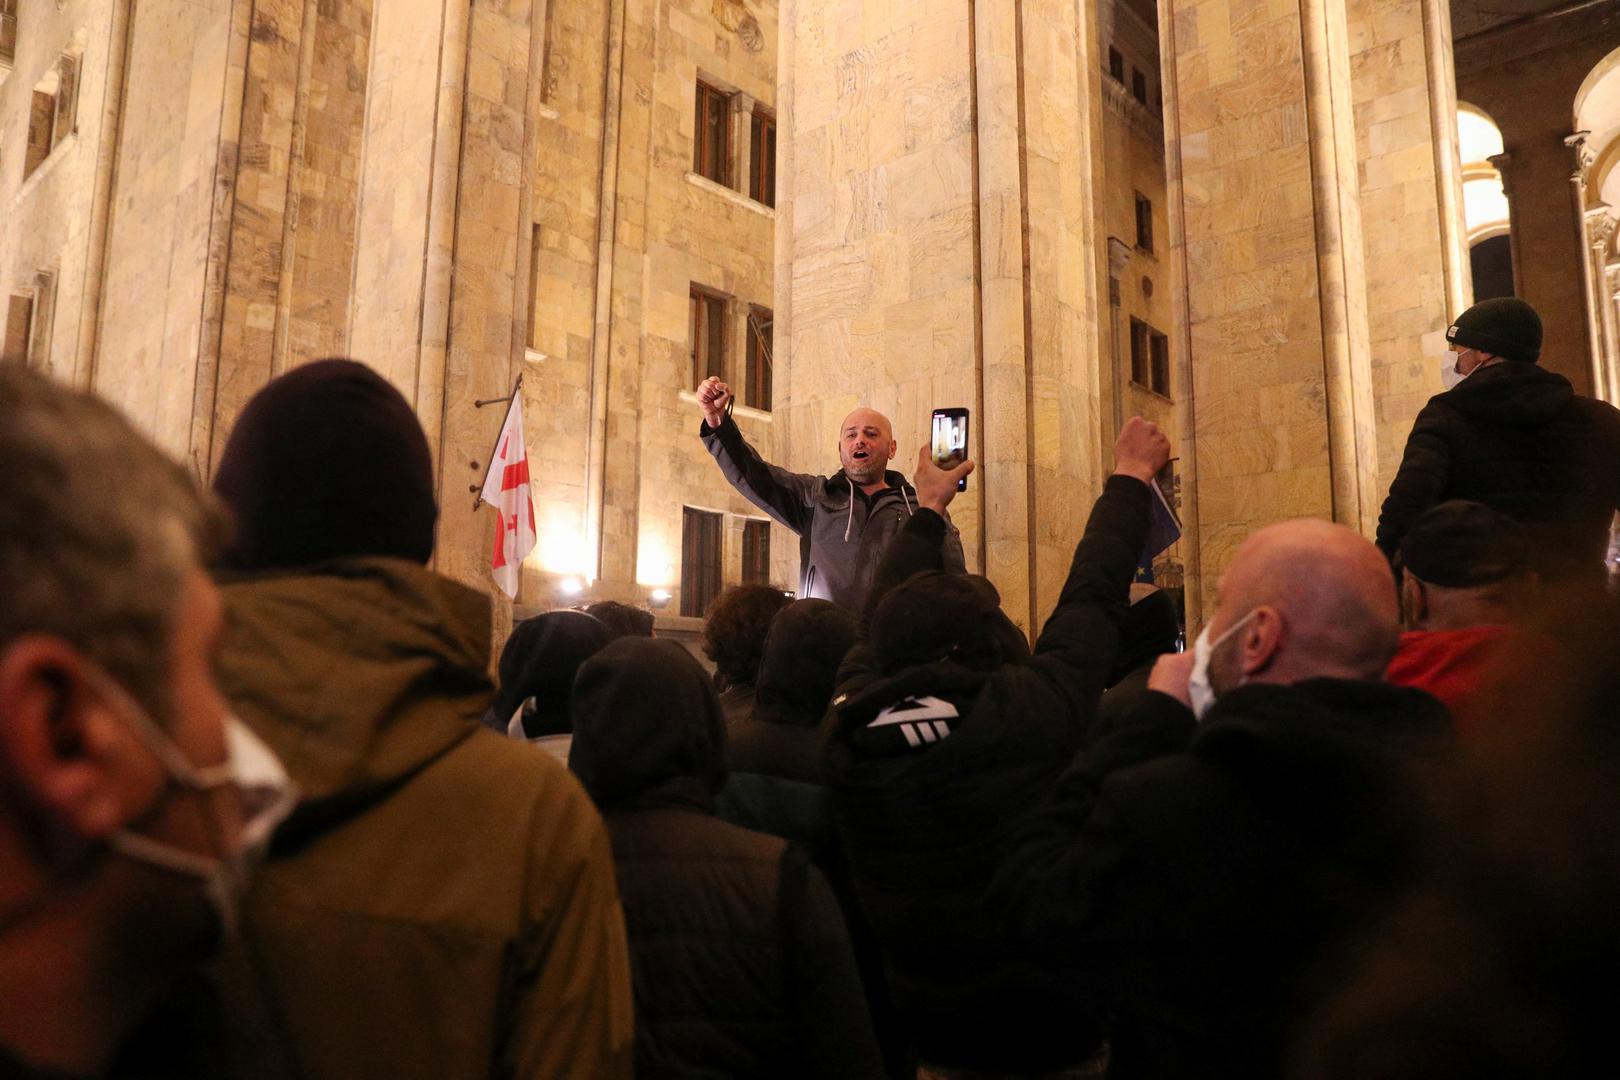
1486	217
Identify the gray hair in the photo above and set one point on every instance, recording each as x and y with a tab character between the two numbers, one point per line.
99	531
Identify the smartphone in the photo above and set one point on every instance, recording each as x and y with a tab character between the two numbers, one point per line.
951	440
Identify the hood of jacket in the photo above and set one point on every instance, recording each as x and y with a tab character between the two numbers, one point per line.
1512	392
1292	747
357	672
540	661
647	721
839	487
907	712
806	643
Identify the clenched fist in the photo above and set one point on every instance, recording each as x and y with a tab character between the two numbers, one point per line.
1141	450
712	395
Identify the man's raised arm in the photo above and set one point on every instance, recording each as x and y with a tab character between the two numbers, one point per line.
787	497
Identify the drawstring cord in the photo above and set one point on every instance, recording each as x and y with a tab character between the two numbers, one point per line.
909	511
850	522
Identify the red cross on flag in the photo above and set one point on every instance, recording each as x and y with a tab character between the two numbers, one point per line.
506	488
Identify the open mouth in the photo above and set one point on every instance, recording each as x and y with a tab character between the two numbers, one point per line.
860	455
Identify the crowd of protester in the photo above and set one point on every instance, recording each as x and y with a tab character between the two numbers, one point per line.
264	812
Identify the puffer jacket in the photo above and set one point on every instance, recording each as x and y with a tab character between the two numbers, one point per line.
927	819
442	903
843	533
741	961
1517	438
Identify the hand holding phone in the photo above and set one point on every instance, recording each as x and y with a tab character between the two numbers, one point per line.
950	440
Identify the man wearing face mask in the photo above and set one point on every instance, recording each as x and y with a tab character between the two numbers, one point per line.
1515	437
1198	890
131	803
846	521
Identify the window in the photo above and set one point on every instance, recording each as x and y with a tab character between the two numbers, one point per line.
756	567
1144	223
1138	86
762	178
706	327
757	393
534	287
28	323
1141	364
1116	65
8	33
19	322
52	115
711	148
700	560
1159	349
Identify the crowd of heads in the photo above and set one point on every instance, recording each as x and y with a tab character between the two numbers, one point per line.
131	797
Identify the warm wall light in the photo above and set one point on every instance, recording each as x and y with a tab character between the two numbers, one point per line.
571	586
660	598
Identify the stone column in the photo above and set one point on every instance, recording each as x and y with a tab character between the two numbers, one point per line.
1600	224
940	250
1405	109
1283	407
1584	156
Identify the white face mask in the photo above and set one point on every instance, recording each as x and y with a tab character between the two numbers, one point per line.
251	767
1198	685
1449	375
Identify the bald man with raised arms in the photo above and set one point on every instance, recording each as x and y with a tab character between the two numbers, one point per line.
1203	862
844	521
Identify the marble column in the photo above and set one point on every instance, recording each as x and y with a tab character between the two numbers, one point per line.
1283	409
939	248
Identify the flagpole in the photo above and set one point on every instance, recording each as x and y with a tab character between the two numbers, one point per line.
490	461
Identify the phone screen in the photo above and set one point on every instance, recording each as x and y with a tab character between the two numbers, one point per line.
950	439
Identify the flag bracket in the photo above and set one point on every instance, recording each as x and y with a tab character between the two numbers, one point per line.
507	400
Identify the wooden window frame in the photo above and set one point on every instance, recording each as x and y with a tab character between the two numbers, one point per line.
756	551
711	149
1139	85
760	358
1144	223
706	311
1159	362
762	156
702	559
19	329
1116	65
1141	363
8	34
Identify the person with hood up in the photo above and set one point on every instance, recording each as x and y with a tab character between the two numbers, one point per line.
537	672
844	522
1516	437
441	904
741	962
1198	892
945	734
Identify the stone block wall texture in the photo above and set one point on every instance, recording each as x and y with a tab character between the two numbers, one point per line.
943	250
1408	292
1274	267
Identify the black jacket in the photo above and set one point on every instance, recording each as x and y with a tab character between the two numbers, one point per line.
926	827
1517	438
842	533
741	963
1198	888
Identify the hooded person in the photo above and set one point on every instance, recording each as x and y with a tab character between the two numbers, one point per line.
537	672
741	963
386	937
1517	438
945	734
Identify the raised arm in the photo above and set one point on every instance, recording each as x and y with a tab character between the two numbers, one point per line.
1077	646
787	497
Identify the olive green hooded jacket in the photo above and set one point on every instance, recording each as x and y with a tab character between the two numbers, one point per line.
442	903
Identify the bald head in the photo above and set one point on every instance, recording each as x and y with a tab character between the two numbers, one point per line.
1323	604
865	446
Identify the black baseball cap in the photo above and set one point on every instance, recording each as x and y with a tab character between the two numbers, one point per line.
1462	545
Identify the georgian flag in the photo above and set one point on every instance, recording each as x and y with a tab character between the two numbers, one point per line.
506	488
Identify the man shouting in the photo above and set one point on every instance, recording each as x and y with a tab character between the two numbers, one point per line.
844	521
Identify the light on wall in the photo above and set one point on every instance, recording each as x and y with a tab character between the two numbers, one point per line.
660	598
571	586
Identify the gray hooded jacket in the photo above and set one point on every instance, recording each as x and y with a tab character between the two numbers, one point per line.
842	534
